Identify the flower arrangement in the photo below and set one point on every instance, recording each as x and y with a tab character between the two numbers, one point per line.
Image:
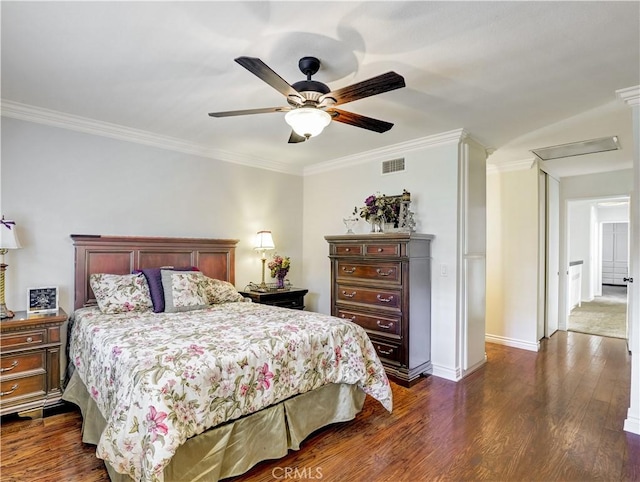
378	206
279	266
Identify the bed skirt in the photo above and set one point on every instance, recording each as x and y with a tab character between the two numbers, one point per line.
233	448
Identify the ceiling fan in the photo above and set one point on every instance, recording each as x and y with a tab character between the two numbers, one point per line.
312	104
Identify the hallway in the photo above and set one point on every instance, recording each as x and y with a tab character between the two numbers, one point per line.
605	316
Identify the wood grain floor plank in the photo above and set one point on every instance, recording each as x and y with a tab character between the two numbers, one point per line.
555	415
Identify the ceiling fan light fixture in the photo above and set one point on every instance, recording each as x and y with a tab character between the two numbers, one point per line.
307	121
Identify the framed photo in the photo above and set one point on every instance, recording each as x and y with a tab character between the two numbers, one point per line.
43	300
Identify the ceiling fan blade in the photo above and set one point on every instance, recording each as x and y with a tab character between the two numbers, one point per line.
264	72
374	86
358	120
295	138
265	110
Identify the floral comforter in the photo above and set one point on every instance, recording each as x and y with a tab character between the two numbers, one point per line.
160	378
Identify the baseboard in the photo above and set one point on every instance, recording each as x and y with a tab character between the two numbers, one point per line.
632	424
512	342
447	373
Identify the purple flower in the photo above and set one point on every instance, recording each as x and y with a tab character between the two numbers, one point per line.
154	423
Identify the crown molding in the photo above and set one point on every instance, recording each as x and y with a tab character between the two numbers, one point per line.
522	165
630	95
54	118
384	153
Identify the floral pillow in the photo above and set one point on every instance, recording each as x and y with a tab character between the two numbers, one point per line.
121	293
218	291
182	291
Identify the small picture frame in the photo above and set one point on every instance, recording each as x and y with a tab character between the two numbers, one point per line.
43	300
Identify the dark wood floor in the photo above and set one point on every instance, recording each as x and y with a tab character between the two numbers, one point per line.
556	415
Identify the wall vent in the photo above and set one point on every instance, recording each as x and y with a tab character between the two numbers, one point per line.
394	165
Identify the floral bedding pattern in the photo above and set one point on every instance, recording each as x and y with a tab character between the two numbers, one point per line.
160	378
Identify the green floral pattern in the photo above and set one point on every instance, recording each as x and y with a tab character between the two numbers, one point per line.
218	291
160	378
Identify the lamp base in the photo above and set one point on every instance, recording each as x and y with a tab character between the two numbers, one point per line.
5	313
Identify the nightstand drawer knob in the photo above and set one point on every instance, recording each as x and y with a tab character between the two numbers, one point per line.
29	339
10	367
347	249
13	389
380	250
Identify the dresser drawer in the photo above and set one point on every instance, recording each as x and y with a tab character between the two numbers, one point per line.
24	339
387	325
35	385
386	272
21	362
387	351
377	249
380	298
349	249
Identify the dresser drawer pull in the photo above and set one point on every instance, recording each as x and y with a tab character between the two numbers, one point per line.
352	270
384	300
14	364
386	327
29	339
347	249
352	318
349	295
13	389
380	250
379	271
385	352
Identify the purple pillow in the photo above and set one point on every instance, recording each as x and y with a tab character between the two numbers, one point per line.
154	280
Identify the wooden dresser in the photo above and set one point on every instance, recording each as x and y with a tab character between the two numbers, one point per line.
30	362
382	282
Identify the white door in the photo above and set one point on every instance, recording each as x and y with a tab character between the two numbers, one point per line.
553	256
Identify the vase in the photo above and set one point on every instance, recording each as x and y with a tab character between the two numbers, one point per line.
376	224
280	281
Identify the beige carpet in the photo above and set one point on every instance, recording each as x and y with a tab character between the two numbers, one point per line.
605	316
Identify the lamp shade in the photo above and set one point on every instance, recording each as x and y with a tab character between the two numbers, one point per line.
8	236
307	121
264	241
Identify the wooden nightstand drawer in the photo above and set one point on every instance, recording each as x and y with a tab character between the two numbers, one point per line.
17	363
24	339
385	325
380	298
30	361
386	272
293	298
391	249
16	388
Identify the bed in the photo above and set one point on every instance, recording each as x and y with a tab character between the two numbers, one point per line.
204	393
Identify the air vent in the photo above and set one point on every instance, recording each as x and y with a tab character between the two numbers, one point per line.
394	165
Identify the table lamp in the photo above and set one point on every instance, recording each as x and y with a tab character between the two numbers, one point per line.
8	240
264	242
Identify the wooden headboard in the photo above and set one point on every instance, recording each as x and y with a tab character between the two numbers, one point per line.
123	254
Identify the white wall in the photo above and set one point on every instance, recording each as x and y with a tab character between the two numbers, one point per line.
57	182
432	178
512	258
579	235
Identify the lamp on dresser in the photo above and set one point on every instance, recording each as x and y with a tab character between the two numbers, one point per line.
8	240
264	243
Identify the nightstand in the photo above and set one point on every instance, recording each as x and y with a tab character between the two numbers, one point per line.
30	362
293	298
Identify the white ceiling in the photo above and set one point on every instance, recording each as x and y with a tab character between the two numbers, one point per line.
514	75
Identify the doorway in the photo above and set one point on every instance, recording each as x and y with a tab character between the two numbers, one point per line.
598	250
